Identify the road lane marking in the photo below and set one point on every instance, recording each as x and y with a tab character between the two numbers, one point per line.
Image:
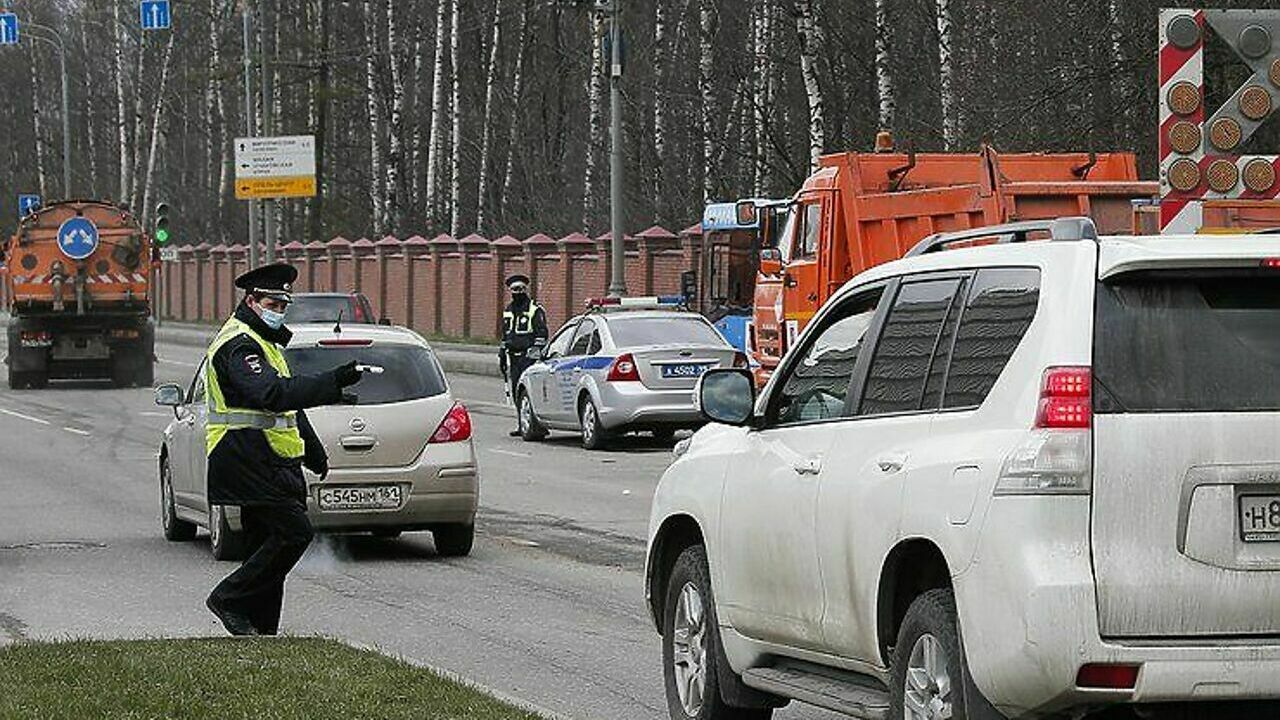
28	418
153	413
77	431
510	453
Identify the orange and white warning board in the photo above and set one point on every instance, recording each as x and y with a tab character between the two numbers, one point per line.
275	167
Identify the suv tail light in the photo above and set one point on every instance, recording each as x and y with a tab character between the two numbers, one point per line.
456	426
624	369
1056	458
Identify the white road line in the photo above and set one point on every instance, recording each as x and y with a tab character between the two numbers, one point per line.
28	418
77	431
510	453
152	413
178	363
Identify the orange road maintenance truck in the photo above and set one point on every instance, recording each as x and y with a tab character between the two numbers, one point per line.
78	280
862	209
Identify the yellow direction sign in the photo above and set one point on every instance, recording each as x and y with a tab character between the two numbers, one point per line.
276	187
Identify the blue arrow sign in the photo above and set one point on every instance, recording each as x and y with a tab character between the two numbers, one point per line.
78	238
8	29
27	204
155	14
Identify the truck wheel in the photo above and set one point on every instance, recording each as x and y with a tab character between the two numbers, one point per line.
17	380
175	529
929	676
690	644
226	544
147	373
122	372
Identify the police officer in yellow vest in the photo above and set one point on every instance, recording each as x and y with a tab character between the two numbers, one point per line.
524	325
257	440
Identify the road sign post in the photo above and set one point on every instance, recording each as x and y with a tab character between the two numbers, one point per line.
155	14
27	204
8	29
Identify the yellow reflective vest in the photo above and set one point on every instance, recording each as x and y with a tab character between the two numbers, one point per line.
281	429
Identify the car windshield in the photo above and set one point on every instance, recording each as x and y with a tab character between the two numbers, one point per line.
640	331
321	308
408	371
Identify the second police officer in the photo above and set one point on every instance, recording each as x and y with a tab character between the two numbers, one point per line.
524	326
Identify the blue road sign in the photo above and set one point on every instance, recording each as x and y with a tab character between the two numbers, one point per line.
155	14
78	238
27	204
8	29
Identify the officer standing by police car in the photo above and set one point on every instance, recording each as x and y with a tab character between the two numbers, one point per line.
257	440
524	326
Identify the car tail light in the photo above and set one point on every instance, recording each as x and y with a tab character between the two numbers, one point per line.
1108	677
1066	399
456	426
1271	264
1056	458
740	360
344	342
624	369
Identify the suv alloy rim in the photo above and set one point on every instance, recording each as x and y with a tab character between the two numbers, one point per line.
589	422
215	525
689	656
526	413
166	494
927	695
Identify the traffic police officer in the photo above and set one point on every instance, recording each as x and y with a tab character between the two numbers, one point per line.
257	441
524	325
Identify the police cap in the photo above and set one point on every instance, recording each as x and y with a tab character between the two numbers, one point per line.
274	280
518	280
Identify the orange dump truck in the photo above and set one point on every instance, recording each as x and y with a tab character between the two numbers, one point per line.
862	209
77	276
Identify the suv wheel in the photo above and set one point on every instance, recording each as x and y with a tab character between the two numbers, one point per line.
690	644
594	436
227	544
175	529
531	429
929	678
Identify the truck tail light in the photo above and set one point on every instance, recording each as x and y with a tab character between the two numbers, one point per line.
456	426
36	338
1066	399
1056	458
1097	676
624	369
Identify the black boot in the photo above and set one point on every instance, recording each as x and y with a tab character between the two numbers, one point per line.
515	433
234	622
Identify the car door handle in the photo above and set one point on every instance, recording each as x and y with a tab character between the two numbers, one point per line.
808	466
893	463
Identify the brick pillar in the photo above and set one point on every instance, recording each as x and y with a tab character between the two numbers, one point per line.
506	261
219	281
571	247
202	280
440	245
360	251
471	246
338	247
655	241
311	251
414	247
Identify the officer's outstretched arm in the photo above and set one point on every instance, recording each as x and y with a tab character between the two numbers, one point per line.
241	366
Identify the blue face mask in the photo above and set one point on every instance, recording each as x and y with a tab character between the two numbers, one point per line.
273	319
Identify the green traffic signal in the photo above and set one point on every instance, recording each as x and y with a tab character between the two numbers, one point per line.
161	232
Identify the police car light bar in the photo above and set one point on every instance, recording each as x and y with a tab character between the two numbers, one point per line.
654	302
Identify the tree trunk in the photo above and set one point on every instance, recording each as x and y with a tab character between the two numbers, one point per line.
90	115
947	78
122	117
486	145
320	125
884	67
157	122
706	65
415	169
660	50
42	178
1119	86
139	128
595	102
376	176
810	40
435	139
395	157
455	165
513	133
764	94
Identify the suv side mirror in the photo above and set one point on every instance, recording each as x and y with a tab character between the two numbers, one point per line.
535	353
169	395
727	396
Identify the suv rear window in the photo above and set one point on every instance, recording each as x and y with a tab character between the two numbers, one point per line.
1173	342
409	371
688	330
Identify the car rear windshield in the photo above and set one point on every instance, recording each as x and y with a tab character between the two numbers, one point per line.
1185	342
637	332
320	309
408	371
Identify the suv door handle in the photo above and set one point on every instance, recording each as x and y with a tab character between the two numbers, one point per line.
808	466
892	462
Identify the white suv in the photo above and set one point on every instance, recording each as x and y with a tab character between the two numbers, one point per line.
1022	479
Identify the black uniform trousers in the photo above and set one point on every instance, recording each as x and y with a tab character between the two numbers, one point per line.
517	363
280	533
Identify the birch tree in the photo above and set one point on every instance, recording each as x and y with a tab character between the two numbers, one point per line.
157	125
884	67
91	113
455	164
706	87
320	119
763	37
122	118
660	52
395	155
947	78
810	41
517	91
1119	85
435	138
377	187
595	102
37	111
136	157
486	145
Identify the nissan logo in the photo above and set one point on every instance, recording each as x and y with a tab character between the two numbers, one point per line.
358	424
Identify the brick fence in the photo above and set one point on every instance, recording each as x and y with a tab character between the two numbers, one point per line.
443	286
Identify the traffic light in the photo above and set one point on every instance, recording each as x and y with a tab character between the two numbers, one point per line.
161	231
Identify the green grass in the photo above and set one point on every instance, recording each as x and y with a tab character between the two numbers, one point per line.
262	679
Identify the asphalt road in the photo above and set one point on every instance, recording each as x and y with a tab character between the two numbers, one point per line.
548	609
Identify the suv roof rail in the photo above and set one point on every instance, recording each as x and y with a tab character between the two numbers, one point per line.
1067	229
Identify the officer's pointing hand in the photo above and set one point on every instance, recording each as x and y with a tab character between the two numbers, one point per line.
347	374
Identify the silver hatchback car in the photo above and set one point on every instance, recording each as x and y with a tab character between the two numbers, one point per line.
620	368
401	459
